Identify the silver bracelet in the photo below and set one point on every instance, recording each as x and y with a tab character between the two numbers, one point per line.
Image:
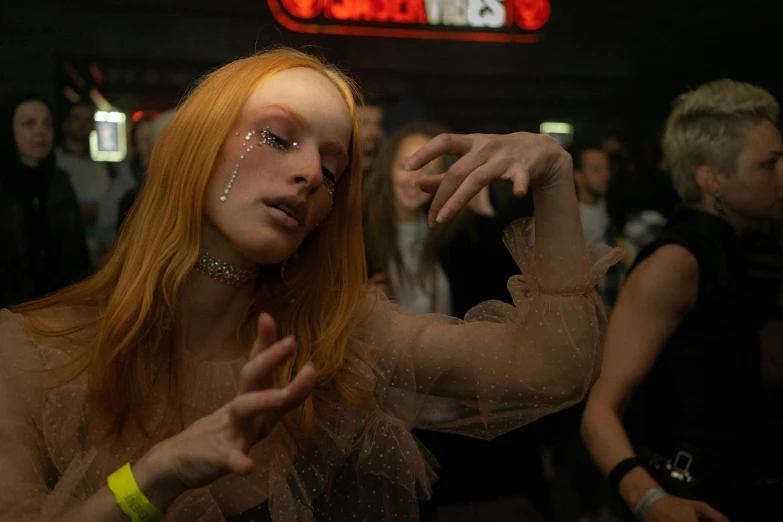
652	495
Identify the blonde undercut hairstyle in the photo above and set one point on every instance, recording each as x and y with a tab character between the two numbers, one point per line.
708	126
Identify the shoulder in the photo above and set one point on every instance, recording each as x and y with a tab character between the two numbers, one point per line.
372	308
60	185
11	325
53	332
668	276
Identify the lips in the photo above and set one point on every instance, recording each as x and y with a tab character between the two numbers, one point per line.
292	206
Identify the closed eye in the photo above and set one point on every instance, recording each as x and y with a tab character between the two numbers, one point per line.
771	163
329	175
277	140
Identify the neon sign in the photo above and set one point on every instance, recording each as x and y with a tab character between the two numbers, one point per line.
476	20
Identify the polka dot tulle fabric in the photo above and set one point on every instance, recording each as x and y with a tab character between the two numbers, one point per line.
504	366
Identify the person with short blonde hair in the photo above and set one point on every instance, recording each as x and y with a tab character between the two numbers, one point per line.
708	127
685	340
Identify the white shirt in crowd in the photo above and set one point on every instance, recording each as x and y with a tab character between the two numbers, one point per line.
90	179
408	291
595	221
109	210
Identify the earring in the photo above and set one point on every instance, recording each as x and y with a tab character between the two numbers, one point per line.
718	205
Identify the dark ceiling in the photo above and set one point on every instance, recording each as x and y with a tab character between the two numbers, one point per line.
607	66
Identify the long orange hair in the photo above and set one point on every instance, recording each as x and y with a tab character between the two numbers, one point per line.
137	291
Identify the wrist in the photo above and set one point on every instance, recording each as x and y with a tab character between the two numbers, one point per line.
650	497
635	485
157	478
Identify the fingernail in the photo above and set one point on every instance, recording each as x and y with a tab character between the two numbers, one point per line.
283	393
409	164
444	215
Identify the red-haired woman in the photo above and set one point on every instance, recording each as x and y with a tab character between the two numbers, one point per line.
169	359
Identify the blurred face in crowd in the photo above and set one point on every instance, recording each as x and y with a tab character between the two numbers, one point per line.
592	178
79	123
755	190
33	132
143	144
611	145
409	198
371	128
283	188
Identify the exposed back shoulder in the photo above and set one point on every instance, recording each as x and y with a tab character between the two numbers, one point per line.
669	277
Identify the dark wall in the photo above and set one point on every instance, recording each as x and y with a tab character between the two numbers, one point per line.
606	66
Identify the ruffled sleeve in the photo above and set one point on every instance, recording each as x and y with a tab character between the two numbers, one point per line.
505	365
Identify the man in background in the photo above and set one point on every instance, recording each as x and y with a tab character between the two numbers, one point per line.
90	179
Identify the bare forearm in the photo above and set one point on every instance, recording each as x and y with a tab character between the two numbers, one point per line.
560	251
608	444
154	480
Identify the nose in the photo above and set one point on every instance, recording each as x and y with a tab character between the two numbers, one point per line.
308	171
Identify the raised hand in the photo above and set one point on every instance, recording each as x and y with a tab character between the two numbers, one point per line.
219	443
526	160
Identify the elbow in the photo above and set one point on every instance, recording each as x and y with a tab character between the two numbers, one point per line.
578	380
589	420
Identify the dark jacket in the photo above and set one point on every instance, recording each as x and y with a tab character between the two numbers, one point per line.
42	245
42	235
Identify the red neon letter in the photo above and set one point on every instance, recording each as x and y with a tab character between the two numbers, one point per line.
303	8
532	14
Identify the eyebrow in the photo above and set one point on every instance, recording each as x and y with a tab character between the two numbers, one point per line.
331	147
775	154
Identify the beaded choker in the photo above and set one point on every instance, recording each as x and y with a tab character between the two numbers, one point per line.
223	272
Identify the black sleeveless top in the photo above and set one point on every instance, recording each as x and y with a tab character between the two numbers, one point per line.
704	392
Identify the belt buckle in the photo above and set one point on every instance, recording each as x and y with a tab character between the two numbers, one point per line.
683	474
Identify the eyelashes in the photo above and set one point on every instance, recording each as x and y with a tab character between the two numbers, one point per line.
276	142
330	181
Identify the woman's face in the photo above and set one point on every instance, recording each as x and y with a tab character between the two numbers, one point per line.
288	148
33	132
755	190
408	196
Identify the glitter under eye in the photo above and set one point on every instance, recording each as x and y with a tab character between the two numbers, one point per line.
330	185
269	139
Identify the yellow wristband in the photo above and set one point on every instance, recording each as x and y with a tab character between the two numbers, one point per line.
129	497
